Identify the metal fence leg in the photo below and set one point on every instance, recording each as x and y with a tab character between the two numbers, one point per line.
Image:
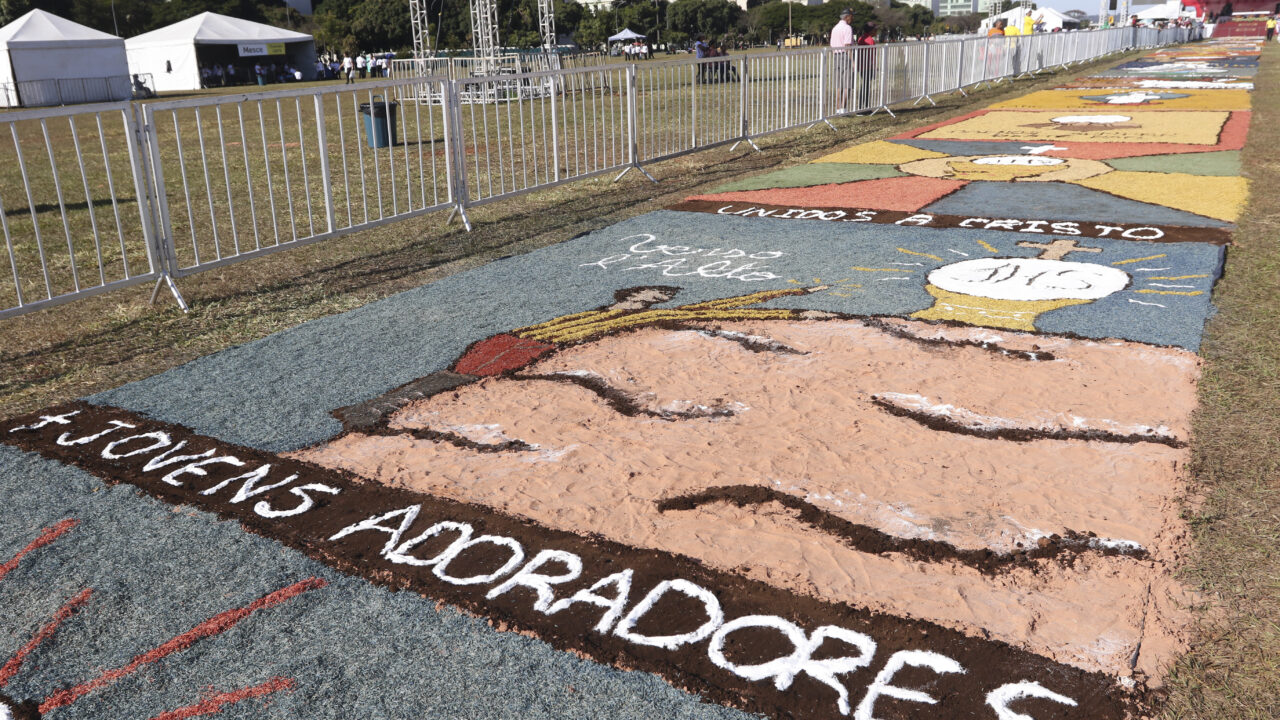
633	131
173	288
453	145
149	184
744	127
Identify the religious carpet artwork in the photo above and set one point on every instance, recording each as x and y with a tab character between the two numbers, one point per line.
903	430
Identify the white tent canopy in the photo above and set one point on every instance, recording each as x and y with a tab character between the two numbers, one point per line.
173	54
1167	11
1052	19
49	60
626	35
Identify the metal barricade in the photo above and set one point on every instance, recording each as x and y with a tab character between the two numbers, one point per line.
75	207
216	180
245	175
536	130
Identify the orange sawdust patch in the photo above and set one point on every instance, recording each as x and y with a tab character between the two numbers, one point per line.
879	152
1231	138
1187	128
1220	198
1079	99
900	193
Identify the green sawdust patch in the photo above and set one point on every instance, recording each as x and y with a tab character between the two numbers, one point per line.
812	174
1225	163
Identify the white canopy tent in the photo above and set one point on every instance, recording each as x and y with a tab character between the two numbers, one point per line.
1167	11
173	54
626	35
1052	19
49	60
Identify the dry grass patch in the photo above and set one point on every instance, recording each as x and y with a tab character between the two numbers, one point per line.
1234	671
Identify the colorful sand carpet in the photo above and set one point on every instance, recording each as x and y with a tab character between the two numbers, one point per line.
903	430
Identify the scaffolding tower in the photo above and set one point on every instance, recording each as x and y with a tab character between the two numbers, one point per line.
1119	9
418	20
484	35
547	25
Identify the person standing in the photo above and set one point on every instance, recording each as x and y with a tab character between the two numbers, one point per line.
360	68
260	73
348	68
866	64
842	40
1271	27
701	49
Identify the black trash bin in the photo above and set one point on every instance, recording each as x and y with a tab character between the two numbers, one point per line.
378	115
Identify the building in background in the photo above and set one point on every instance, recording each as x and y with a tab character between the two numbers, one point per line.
944	8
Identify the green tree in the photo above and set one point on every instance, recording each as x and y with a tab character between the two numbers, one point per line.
382	25
713	18
11	10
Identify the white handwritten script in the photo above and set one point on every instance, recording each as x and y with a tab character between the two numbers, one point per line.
550	580
1052	227
647	253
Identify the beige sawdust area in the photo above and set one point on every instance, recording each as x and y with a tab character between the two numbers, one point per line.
805	424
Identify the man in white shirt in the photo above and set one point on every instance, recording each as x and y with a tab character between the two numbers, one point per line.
348	69
842	41
360	65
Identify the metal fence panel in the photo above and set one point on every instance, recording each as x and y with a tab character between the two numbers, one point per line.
255	173
104	196
72	208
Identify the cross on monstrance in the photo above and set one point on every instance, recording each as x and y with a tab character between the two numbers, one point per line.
1058	249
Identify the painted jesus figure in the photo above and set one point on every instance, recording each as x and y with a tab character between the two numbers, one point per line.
750	437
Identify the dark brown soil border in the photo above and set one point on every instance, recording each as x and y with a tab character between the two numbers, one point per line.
1087	230
1063	548
988	664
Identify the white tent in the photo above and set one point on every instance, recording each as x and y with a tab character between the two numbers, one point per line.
173	54
626	35
48	60
1167	11
1052	19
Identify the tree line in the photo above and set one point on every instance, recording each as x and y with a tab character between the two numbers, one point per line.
377	25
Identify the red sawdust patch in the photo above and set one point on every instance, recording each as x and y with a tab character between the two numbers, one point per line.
1231	137
500	353
899	193
214	703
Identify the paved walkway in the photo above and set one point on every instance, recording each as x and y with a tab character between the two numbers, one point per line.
904	425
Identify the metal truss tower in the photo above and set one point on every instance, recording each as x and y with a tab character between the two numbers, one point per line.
421	28
484	34
547	24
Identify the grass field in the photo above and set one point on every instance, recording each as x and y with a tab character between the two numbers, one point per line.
1234	671
98	343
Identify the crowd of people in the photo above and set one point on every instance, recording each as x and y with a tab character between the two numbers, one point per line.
351	67
218	75
722	71
852	73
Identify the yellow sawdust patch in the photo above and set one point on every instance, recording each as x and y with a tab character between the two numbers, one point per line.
1167	126
879	153
1220	198
989	312
1075	99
